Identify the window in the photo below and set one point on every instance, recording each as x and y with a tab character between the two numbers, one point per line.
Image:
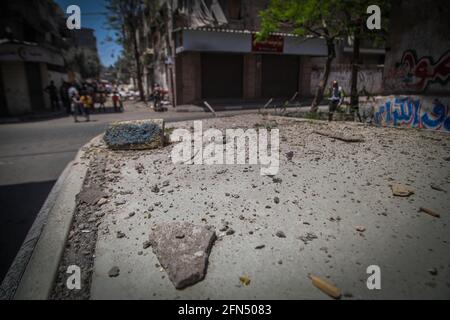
29	33
234	9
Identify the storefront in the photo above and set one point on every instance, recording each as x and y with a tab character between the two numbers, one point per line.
231	64
222	76
280	75
25	70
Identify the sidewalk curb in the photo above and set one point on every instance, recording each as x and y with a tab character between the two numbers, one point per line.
355	124
32	274
274	117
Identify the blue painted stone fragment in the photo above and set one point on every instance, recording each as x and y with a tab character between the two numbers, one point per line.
135	135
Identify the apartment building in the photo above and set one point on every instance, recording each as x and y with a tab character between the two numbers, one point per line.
31	38
218	56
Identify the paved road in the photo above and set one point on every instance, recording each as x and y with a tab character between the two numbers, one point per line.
33	155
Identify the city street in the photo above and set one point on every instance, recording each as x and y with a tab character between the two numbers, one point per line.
337	205
224	150
32	156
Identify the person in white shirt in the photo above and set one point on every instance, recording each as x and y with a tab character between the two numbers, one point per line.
336	99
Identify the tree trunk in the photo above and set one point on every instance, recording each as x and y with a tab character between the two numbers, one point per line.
171	53
138	66
326	73
355	65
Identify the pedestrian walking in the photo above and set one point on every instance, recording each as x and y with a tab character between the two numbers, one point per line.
102	98
72	91
64	94
336	99
53	94
157	97
77	106
116	101
86	102
74	97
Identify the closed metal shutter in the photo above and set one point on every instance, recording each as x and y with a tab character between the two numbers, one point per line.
222	76
280	75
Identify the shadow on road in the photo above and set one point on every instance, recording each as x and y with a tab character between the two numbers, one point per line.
19	206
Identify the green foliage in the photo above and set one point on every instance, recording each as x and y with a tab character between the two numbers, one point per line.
322	18
326	19
123	68
125	17
318	18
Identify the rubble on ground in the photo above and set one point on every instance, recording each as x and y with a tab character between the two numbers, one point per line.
183	250
333	209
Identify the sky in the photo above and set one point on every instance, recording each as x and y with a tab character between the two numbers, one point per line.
93	16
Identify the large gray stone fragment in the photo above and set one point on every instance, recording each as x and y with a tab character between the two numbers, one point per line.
182	250
91	195
135	135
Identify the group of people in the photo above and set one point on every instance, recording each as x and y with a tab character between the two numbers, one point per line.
81	99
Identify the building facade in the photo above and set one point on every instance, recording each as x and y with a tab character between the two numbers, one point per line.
31	42
217	56
82	58
418	61
208	51
84	38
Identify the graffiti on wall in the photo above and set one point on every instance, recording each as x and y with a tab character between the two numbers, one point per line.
411	112
414	74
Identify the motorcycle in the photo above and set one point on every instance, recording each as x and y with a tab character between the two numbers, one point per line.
158	97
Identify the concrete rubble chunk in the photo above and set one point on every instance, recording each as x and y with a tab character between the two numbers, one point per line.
135	135
183	250
399	190
114	272
91	195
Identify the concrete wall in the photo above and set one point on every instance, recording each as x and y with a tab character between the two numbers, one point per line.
416	77
369	78
418	58
304	84
422	112
16	87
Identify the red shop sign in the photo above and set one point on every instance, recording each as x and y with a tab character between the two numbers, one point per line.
273	44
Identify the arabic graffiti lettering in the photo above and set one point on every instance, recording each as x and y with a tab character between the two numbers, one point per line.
416	74
412	112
